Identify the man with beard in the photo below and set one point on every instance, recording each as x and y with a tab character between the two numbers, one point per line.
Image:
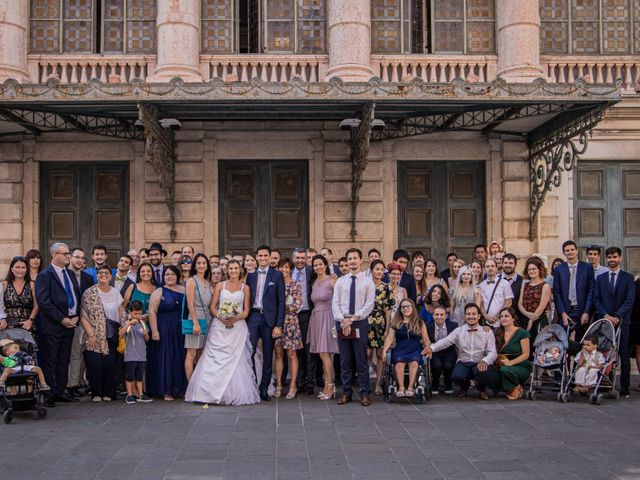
156	255
308	361
99	256
509	263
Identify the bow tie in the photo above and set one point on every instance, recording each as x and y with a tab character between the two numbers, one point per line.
489	282
473	329
262	272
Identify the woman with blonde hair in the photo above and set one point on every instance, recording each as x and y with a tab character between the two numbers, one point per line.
463	294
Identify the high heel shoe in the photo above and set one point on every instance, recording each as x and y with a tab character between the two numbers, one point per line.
278	393
291	393
331	395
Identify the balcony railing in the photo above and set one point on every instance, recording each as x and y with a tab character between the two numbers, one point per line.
82	68
565	69
434	68
269	68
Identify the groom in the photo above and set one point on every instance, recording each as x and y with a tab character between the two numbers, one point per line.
267	313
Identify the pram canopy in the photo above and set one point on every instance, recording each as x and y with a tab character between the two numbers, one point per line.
547	333
606	333
19	335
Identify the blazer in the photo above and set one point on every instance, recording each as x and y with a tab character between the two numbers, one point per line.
86	281
335	269
308	271
584	288
618	302
127	283
431	331
409	283
273	296
53	302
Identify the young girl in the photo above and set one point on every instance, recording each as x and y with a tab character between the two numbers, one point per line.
589	361
410	334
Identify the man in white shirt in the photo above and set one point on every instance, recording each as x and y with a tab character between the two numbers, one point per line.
494	294
476	353
593	256
353	298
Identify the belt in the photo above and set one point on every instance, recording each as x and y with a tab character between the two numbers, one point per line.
573	307
257	310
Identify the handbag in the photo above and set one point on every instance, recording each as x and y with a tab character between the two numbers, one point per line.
187	323
112	328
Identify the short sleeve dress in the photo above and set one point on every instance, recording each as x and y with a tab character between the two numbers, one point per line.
384	301
408	346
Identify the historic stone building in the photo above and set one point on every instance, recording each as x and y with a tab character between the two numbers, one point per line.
218	123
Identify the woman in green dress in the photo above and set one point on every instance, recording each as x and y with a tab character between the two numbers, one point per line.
512	344
379	319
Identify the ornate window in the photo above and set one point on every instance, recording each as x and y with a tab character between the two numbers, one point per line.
254	26
429	26
93	26
585	27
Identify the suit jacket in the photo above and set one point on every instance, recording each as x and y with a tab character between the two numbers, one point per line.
431	331
53	302
618	302
273	297
308	271
86	281
127	283
584	288
153	280
336	270
409	283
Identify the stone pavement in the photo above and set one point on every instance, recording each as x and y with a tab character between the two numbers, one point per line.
447	438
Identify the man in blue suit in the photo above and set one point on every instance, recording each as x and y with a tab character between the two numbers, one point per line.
442	362
573	290
59	298
613	298
267	312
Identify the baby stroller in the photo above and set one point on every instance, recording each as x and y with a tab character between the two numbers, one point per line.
422	386
22	389
550	360
608	339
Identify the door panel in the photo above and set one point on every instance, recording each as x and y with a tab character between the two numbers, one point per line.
263	202
607	208
86	204
441	207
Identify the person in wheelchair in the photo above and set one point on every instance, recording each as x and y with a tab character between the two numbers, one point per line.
409	332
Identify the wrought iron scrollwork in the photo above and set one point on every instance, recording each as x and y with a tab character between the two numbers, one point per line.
160	152
360	142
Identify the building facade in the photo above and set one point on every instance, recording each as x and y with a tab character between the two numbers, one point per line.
260	88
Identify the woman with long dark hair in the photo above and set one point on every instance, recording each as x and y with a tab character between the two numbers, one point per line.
17	296
513	347
198	299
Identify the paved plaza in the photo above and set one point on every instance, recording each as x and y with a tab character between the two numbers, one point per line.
447	438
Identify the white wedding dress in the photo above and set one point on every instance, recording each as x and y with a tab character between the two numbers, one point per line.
224	374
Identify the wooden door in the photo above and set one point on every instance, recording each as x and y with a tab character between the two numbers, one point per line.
263	202
441	208
85	204
607	209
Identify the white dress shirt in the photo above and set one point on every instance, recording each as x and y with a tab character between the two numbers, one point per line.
262	280
365	296
599	271
503	293
473	346
61	272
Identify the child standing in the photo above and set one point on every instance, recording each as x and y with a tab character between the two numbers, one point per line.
136	334
589	361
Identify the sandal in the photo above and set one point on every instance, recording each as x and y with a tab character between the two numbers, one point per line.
400	393
291	393
410	393
278	393
168	398
378	391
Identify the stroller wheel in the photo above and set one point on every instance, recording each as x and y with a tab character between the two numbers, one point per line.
41	412
599	399
532	395
566	396
592	399
614	394
8	415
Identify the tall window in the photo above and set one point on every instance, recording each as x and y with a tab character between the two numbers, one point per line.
93	26
584	27
430	26
263	26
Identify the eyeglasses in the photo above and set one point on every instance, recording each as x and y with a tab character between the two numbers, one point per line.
66	254
406	306
104	272
186	262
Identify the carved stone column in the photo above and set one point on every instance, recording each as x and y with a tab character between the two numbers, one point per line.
178	41
518	30
349	39
14	25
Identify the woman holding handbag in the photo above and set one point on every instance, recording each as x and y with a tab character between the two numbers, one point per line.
165	353
198	298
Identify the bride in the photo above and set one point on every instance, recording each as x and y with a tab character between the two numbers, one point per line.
224	373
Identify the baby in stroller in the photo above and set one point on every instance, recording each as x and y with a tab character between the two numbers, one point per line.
13	361
550	356
589	361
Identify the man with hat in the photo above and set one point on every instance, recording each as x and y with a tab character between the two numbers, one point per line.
156	255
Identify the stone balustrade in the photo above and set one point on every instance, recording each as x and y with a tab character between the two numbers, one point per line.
434	68
82	68
268	68
593	69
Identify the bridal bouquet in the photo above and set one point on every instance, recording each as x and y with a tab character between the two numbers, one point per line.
227	310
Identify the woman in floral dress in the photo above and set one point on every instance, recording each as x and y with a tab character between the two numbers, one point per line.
379	318
291	339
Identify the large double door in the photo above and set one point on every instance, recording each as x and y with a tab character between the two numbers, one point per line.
82	204
263	202
441	208
607	208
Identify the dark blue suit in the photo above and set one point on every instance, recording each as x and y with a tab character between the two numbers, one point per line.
443	361
55	337
617	303
262	322
584	292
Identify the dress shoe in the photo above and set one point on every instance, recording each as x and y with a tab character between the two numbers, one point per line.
365	401
74	392
344	399
308	390
264	396
484	394
66	399
624	392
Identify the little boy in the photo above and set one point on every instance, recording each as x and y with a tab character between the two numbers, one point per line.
10	358
589	362
136	334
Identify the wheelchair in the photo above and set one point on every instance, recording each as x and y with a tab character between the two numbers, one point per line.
422	387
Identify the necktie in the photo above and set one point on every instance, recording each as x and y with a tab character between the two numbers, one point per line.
158	277
612	281
67	288
352	296
573	298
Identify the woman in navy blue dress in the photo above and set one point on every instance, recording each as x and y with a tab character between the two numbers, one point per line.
410	334
165	354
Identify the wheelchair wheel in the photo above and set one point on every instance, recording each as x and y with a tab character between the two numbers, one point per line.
7	416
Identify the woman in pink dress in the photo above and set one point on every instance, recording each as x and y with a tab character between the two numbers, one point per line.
321	334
